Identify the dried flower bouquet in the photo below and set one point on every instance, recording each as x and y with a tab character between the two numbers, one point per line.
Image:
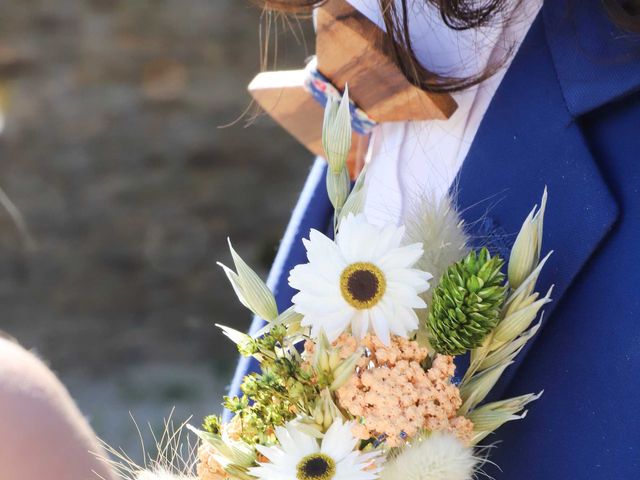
357	378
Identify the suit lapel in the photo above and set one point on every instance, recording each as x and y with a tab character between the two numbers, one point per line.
528	140
595	61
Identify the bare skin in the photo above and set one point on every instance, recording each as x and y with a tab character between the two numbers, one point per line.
42	433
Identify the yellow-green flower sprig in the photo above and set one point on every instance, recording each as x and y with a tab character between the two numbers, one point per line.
282	391
212	424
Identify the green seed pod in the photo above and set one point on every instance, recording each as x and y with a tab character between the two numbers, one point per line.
336	132
466	305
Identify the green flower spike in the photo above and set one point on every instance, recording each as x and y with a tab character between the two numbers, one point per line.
466	305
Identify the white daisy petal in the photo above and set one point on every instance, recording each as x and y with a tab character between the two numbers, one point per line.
272	453
282	434
346	238
304	444
405	295
339	442
332	333
370	458
385	241
339	319
409	276
402	257
407	316
306	277
398	235
388	311
306	303
368	322
317	287
269	471
324	254
355	467
380	325
359	325
332	329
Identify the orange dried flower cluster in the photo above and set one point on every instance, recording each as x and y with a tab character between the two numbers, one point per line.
208	467
394	397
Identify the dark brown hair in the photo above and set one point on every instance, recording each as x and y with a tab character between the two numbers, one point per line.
625	14
457	14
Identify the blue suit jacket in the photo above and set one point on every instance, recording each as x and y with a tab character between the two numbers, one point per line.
566	116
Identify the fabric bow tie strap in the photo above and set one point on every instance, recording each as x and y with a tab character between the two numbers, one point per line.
321	89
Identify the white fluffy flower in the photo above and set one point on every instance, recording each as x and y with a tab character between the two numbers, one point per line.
300	457
440	456
365	279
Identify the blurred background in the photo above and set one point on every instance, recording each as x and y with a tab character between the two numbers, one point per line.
112	157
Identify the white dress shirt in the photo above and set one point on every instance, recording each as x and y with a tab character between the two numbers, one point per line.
408	160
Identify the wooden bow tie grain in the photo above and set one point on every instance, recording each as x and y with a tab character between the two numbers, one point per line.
349	49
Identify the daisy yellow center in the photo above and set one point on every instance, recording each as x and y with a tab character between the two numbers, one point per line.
362	285
316	466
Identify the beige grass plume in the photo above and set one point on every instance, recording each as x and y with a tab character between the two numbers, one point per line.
175	459
437	225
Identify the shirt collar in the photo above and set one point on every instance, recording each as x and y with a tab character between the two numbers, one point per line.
457	53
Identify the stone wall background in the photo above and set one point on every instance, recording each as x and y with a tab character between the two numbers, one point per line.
112	155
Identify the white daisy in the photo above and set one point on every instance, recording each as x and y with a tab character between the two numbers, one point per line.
299	457
364	280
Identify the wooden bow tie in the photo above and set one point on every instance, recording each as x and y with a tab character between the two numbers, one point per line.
349	48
